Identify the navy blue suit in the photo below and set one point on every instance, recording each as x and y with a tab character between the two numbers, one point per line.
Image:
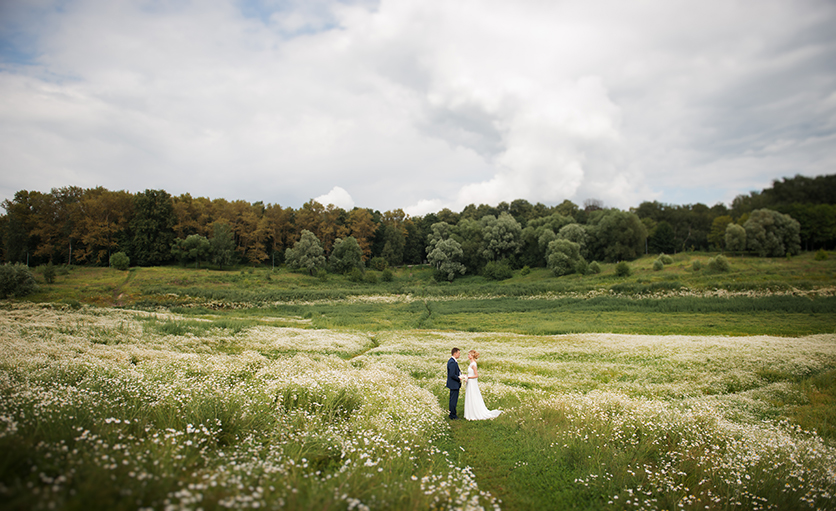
454	384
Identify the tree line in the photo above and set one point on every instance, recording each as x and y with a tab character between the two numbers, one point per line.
72	225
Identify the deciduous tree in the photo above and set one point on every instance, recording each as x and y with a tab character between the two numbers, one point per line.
362	227
152	227
346	255
735	238
307	253
616	235
717	236
103	224
194	248
501	236
222	245
772	234
445	256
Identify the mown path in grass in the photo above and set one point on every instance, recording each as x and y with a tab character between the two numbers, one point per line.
515	466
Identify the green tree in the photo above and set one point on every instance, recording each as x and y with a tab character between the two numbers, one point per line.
153	227
222	245
413	251
564	257
445	256
49	272
616	235
717	236
393	245
537	235
307	253
468	232
20	243
501	236
772	234
575	233
345	255
194	248
439	232
662	241
817	222
735	239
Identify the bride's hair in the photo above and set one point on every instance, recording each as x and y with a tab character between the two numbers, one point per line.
474	353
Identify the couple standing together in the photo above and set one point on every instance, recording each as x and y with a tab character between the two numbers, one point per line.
474	405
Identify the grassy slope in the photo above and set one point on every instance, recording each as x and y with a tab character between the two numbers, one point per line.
536	303
513	468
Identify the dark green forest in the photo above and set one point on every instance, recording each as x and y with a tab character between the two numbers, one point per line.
75	226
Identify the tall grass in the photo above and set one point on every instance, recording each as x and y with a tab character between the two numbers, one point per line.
310	419
84	425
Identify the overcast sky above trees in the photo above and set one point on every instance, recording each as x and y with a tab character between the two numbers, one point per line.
417	104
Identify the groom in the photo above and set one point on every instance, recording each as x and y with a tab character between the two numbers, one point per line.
454	382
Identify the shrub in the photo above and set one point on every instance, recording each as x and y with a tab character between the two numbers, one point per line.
120	261
16	280
370	278
322	274
821	255
719	264
355	275
696	266
525	270
658	264
622	269
378	263
594	267
666	259
581	266
563	256
48	271
387	275
497	270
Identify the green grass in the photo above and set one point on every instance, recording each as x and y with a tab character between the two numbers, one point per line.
173	285
771	315
589	421
819	412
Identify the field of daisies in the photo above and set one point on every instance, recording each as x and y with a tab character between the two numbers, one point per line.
109	409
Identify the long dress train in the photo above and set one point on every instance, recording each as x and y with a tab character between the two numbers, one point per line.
474	405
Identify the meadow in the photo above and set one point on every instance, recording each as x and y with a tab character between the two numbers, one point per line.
759	296
123	409
181	388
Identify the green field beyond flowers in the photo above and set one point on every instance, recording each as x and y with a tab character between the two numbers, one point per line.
172	388
788	297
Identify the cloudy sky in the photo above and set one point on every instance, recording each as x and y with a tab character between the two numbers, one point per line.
417	104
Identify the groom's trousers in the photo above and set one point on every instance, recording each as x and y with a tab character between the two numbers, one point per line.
454	402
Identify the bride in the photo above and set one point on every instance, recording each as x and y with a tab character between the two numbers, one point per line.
474	406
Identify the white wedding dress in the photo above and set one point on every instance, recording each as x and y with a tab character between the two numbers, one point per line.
474	405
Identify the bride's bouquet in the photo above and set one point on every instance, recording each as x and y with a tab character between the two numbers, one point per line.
463	379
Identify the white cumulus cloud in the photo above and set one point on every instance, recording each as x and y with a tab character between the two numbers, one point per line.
337	197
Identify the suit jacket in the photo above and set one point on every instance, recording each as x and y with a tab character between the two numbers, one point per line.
453	374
